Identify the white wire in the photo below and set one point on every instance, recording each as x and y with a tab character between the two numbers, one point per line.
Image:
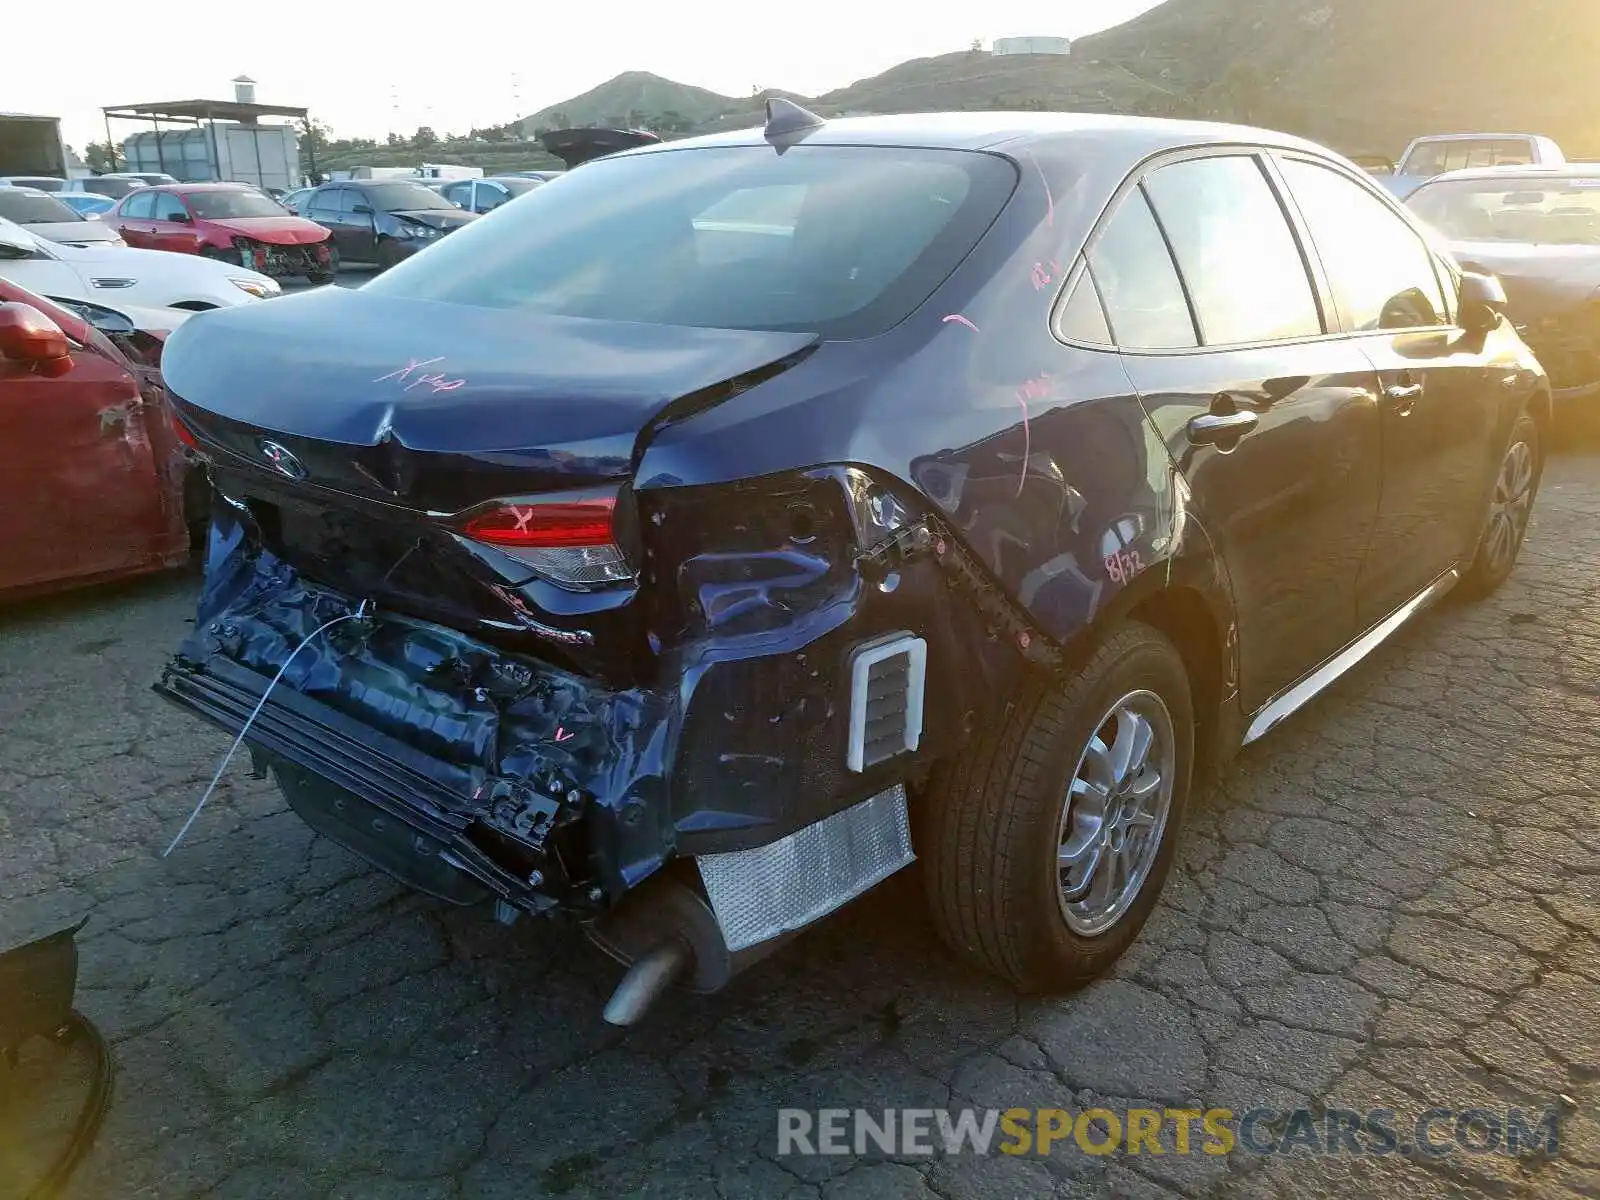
254	713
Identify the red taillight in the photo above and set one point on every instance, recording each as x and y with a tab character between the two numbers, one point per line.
545	526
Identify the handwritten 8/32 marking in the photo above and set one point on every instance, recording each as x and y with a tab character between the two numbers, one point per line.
436	379
1123	565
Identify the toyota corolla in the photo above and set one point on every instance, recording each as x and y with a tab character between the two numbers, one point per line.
693	543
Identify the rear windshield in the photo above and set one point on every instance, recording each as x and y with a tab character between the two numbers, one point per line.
220	206
845	241
26	209
1537	210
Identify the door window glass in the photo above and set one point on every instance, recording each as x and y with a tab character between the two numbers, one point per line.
1379	268
169	207
1139	287
1238	256
140	206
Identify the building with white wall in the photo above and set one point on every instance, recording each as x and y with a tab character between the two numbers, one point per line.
1033	45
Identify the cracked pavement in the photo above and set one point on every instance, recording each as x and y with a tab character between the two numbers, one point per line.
1393	902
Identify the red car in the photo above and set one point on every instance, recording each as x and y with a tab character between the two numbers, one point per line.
230	221
91	472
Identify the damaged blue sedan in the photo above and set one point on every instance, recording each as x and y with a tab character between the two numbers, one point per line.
691	543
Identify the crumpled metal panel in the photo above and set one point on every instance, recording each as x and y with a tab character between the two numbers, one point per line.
761	893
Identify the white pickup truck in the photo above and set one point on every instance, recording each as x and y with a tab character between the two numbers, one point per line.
1441	152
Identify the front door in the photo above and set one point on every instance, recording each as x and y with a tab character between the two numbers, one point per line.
80	493
173	228
1272	420
1441	393
360	223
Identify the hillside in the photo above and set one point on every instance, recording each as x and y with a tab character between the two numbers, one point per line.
628	99
1362	75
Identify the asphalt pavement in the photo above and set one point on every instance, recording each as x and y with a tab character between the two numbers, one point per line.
1392	902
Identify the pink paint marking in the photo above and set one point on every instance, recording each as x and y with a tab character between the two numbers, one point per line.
1039	276
1037	388
563	736
411	366
959	319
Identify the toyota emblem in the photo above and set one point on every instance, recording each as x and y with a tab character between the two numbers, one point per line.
283	462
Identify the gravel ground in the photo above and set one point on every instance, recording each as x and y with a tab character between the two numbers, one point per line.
1392	902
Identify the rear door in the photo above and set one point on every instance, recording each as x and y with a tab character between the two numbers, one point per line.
136	220
80	491
1270	416
459	194
326	207
1441	390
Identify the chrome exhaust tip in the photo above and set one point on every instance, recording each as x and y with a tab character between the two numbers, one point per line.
647	980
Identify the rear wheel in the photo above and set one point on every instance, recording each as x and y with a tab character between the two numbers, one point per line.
1510	506
1046	844
388	253
227	256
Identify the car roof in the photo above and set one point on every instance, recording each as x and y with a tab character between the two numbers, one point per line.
32	191
1520	171
199	187
1127	137
1473	137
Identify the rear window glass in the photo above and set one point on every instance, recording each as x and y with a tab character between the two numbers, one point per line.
844	241
26	209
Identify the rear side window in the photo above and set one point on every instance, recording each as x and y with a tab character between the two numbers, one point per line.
844	241
1138	283
1245	273
1380	269
140	205
1083	317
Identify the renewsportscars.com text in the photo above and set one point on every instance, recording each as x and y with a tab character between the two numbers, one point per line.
1435	1132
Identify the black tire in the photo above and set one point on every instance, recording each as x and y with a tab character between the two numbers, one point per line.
318	278
1493	560
990	830
388	253
227	256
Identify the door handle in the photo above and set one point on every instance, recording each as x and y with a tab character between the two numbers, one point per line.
1403	396
1211	428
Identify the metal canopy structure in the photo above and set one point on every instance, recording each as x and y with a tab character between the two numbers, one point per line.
204	112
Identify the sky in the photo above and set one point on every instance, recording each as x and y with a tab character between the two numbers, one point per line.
372	68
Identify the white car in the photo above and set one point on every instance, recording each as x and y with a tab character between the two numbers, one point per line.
43	215
44	183
120	276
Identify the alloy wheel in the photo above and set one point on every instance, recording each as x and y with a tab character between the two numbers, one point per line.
1115	813
1510	507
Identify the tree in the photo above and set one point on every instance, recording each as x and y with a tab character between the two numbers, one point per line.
394	139
670	122
101	156
424	136
977	45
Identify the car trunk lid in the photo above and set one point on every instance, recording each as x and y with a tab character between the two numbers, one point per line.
441	406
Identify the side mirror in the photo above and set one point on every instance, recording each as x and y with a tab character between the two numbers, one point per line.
181	218
362	210
1481	302
28	336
